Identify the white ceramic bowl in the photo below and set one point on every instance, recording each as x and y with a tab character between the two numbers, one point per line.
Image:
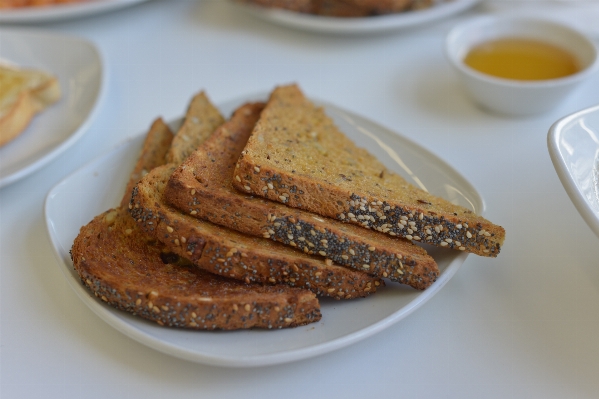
517	97
573	143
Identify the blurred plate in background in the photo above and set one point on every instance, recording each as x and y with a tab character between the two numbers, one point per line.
62	11
573	143
380	23
78	66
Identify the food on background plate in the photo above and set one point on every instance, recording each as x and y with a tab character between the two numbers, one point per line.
25	93
34	3
345	8
297	156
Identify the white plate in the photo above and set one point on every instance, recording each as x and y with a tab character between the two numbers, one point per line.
381	23
99	185
78	66
61	12
573	143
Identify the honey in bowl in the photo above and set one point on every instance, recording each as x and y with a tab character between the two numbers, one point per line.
522	59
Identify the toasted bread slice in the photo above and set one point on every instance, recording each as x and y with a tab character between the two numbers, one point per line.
231	254
202	186
297	156
24	93
153	154
125	268
200	121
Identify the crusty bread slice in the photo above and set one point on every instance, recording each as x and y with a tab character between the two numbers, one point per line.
202	186
24	93
130	271
153	154
297	156
231	254
200	121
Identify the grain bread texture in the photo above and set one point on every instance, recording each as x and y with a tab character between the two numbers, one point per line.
133	272
228	253
24	94
152	154
202	187
200	121
297	156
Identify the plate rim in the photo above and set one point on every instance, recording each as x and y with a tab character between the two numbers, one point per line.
109	315
80	130
563	171
59	12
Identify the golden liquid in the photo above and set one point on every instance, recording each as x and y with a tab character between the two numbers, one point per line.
522	59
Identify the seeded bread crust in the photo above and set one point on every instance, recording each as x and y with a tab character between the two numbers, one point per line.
202	186
229	253
134	273
299	152
153	153
200	121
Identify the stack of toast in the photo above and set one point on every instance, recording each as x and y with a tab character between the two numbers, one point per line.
245	222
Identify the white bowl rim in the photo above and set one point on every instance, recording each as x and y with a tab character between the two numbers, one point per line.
545	83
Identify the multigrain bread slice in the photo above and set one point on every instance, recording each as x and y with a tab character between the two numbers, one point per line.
202	187
130	271
153	154
23	94
200	121
231	254
297	156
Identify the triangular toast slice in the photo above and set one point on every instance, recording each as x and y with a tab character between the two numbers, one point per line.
130	271
202	187
200	121
153	153
231	254
297	156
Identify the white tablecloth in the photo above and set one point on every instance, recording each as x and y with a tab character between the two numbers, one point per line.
524	325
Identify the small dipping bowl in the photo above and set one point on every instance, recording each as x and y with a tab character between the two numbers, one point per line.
511	96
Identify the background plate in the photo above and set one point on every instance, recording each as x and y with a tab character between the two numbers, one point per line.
61	12
78	66
99	186
573	143
373	24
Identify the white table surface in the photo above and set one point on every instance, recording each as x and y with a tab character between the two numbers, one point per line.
524	325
